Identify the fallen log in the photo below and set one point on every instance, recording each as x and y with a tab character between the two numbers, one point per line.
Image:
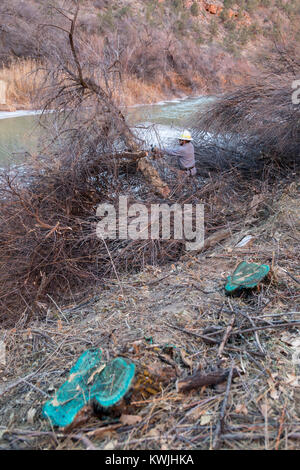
152	176
200	379
132	156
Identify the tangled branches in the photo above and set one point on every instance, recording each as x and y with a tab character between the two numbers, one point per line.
259	120
47	239
48	243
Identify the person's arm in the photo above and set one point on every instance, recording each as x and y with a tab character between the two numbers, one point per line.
175	151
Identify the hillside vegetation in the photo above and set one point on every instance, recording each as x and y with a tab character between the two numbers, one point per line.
162	48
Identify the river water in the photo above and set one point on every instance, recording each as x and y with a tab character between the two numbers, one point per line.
20	132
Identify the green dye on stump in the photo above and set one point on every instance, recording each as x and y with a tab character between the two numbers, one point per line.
246	276
90	378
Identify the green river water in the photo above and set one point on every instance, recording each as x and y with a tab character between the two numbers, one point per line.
20	132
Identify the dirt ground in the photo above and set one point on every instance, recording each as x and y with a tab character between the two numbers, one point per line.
156	318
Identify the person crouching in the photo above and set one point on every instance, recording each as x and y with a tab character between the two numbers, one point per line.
185	153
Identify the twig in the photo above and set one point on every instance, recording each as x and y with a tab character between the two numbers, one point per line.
292	277
152	283
226	336
36	388
62	313
85	440
248	435
257	363
255	334
207	338
6	388
248	330
267	437
280	325
220	424
280	427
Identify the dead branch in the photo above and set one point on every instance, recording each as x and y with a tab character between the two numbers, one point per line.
226	336
220	425
200	379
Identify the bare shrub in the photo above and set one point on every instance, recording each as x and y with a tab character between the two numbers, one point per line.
258	119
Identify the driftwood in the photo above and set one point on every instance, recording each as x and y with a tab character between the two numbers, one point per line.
200	379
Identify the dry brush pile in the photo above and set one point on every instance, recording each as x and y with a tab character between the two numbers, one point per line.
49	250
48	244
185	337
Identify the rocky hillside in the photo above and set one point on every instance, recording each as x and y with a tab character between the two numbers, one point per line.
162	47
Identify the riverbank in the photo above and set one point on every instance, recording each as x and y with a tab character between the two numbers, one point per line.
134	93
25	82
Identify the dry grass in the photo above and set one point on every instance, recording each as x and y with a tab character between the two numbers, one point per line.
263	404
135	91
24	78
